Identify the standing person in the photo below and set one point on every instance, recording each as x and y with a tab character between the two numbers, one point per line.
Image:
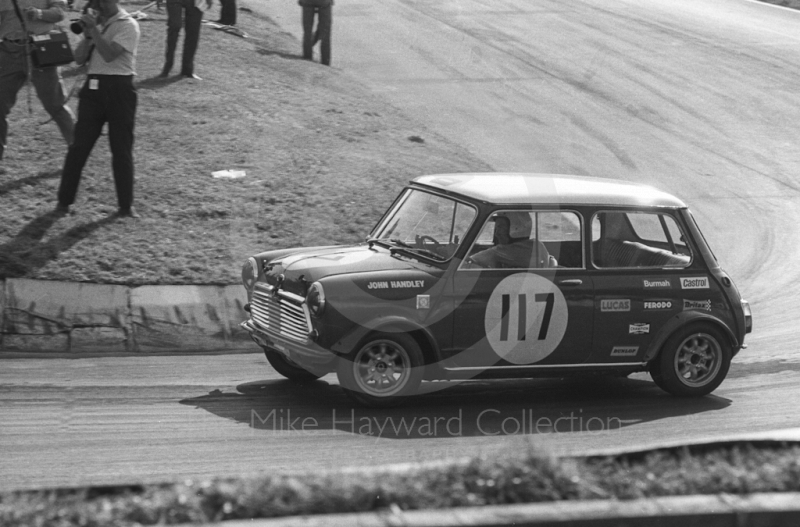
323	9
175	19
227	13
15	65
108	96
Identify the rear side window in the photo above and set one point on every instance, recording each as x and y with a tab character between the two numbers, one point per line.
528	240
638	240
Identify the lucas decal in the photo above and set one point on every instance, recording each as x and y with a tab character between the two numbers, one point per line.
526	318
615	305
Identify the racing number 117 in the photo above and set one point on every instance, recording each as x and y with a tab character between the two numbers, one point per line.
522	320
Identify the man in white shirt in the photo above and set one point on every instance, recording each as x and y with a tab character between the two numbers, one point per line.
109	96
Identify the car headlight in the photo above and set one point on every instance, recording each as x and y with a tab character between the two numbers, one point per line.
249	275
316	299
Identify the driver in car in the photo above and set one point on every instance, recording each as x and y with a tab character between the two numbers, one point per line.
513	249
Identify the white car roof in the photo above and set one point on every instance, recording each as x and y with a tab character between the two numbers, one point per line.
549	189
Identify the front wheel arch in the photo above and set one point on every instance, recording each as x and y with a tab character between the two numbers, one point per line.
383	370
393	324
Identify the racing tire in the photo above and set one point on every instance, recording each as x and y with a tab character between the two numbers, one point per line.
288	369
693	361
385	369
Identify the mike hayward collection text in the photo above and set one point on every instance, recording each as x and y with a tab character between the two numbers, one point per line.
486	422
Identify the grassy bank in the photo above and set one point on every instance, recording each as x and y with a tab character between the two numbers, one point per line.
323	158
732	469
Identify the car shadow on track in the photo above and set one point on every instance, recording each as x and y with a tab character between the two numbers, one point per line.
474	408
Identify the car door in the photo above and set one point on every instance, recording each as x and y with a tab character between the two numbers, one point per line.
641	259
530	313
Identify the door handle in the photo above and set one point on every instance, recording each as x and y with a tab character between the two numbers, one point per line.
571	283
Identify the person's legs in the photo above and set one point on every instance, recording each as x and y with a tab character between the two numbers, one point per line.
227	13
12	77
194	19
174	24
121	121
50	90
91	118
324	29
308	32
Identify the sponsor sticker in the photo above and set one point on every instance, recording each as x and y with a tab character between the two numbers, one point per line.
657	305
615	305
704	305
657	283
694	282
639	328
423	301
624	351
396	284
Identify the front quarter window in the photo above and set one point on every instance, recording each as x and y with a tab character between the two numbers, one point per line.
425	224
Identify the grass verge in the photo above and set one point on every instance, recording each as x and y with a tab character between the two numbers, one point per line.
323	158
732	469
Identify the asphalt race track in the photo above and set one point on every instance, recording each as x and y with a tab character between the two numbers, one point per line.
697	97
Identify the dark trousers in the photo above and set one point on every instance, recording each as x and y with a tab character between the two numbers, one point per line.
114	102
323	32
175	20
227	13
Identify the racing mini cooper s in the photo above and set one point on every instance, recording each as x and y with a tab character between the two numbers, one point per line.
503	276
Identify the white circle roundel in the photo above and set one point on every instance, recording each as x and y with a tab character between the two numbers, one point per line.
526	318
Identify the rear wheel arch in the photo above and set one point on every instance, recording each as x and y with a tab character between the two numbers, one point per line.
694	360
679	322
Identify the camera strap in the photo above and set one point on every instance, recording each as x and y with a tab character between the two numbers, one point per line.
26	44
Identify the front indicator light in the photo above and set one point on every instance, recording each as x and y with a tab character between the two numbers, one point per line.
316	299
748	316
249	275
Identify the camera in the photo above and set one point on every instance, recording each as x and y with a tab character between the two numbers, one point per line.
76	25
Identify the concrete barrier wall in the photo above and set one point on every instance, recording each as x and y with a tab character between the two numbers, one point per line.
38	315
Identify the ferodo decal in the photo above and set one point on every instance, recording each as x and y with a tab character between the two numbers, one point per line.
656	283
526	318
695	282
704	305
639	328
624	351
615	305
657	305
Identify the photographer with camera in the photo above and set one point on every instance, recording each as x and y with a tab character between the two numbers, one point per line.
40	16
111	39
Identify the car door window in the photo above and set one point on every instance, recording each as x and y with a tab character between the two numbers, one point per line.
528	240
638	240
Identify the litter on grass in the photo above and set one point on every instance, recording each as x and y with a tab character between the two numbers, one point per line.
228	174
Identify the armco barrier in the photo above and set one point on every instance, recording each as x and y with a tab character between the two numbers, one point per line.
757	510
38	315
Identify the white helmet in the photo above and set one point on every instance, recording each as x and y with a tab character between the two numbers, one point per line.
520	224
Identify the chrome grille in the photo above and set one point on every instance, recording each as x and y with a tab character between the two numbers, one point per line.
285	314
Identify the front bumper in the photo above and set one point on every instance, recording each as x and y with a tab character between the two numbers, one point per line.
307	353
